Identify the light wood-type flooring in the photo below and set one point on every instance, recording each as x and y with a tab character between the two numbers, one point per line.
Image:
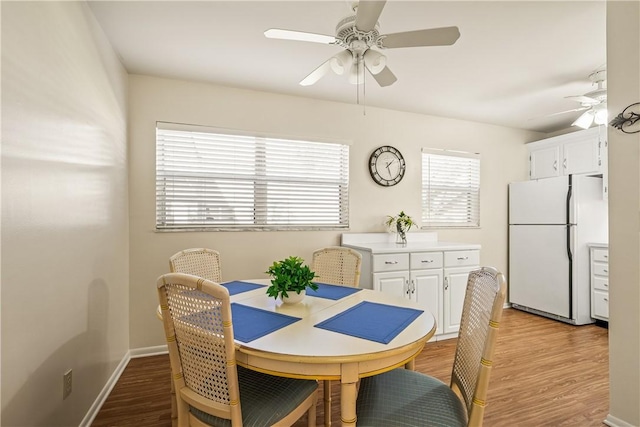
546	373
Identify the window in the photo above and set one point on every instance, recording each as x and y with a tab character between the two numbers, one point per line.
450	189
209	179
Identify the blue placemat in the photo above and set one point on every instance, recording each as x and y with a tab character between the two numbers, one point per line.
333	292
237	287
371	321
251	323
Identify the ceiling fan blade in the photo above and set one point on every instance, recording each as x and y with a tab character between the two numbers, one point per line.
367	14
384	77
585	120
277	33
444	36
583	99
317	74
567	111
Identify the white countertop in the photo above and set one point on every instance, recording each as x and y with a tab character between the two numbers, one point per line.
598	245
417	242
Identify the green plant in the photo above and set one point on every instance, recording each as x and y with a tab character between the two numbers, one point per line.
290	274
402	223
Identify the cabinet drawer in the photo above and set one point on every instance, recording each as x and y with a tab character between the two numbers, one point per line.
601	255
600	269
390	262
420	260
601	304
461	258
601	283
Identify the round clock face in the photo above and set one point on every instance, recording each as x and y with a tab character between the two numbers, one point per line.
386	166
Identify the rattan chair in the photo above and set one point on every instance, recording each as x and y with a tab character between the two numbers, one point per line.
201	262
337	265
211	389
406	398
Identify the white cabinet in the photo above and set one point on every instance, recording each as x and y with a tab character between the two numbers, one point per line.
582	152
436	280
544	162
599	282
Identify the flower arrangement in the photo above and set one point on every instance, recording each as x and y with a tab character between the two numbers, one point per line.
290	275
400	223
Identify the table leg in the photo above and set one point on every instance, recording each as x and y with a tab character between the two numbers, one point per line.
411	365
348	394
327	403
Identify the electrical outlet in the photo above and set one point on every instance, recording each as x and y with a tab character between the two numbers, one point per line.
67	384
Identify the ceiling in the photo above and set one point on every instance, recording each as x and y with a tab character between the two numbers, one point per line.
514	63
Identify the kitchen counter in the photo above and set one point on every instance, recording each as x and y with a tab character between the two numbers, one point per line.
432	273
598	245
384	243
392	247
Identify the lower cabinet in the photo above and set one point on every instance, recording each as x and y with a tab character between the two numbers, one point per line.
600	283
437	281
426	289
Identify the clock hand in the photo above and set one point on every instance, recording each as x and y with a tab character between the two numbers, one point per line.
389	170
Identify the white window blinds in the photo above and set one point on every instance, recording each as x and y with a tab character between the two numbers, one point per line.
450	189
209	180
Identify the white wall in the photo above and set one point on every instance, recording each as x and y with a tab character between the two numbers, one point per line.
64	212
248	254
623	69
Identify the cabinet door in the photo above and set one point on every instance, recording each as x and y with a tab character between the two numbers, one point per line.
544	162
600	305
426	289
455	287
604	160
392	282
582	156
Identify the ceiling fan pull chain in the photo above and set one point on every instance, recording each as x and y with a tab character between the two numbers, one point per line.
364	92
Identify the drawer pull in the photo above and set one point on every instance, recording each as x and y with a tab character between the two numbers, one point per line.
605	256
427	261
463	258
606	285
606	299
391	262
605	270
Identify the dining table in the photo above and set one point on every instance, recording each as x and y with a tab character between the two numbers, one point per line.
336	333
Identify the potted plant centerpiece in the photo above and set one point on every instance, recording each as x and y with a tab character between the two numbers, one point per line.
290	279
400	223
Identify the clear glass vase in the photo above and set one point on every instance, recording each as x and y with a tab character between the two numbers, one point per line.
401	238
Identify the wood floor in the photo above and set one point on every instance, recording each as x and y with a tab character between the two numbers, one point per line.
546	373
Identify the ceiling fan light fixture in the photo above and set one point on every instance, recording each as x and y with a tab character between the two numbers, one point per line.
585	120
375	61
601	115
356	73
341	62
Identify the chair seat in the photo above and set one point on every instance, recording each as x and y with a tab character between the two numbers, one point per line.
266	399
406	398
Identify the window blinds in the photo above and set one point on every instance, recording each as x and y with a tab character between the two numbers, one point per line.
207	180
450	189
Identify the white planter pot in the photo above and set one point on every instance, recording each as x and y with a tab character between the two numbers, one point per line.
293	297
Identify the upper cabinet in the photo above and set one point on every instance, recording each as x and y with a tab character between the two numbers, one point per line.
582	152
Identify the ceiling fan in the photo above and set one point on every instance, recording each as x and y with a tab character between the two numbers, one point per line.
594	102
359	34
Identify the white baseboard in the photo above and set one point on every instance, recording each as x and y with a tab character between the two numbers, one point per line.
148	351
616	422
102	397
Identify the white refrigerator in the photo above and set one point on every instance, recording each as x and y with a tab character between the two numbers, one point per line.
551	221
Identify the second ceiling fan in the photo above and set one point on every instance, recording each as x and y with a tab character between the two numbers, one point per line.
359	34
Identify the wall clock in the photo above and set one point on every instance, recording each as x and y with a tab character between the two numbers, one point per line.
386	166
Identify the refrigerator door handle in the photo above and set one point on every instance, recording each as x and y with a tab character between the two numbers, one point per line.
570	245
